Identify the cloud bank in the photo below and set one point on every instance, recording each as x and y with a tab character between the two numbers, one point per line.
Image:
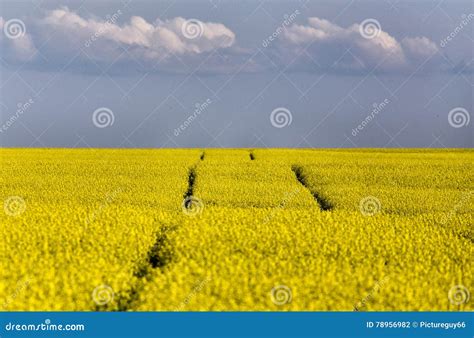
322	44
172	44
146	41
186	45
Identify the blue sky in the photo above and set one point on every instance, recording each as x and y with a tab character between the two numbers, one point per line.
236	74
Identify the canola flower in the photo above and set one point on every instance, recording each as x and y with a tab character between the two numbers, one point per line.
280	230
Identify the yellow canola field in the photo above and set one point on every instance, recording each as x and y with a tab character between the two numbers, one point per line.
180	230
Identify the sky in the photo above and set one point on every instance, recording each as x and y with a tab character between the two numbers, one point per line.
214	73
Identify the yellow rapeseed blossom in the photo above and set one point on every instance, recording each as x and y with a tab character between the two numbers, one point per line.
276	229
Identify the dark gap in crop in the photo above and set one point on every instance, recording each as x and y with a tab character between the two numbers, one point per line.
160	255
466	234
203	156
252	156
161	252
189	192
323	203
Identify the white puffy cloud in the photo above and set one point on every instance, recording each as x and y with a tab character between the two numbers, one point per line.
106	40
171	44
419	48
323	44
